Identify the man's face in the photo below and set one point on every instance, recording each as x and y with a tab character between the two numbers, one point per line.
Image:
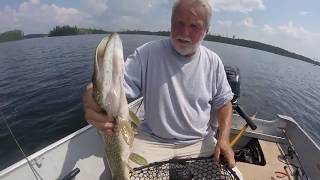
188	28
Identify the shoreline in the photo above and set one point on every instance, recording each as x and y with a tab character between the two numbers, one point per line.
213	38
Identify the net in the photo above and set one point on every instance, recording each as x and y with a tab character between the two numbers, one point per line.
184	169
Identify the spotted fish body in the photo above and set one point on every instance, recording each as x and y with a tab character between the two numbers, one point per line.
108	92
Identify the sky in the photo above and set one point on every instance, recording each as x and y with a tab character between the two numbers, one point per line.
290	24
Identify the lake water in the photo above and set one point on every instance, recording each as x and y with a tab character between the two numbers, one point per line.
42	82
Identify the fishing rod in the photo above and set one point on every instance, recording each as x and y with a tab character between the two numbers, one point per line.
34	171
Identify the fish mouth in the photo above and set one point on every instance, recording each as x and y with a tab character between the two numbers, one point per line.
102	47
101	68
104	54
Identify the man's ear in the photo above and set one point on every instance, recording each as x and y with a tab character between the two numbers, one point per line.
204	34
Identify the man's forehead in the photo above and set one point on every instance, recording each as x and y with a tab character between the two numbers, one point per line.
198	11
197	14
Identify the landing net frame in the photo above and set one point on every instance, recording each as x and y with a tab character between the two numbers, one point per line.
184	169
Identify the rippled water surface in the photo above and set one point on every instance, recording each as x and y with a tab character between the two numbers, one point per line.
42	82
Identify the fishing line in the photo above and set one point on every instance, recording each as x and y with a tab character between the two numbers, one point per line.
34	171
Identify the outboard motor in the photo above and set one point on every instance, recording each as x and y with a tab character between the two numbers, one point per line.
233	76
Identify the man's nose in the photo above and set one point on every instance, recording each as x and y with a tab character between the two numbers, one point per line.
185	31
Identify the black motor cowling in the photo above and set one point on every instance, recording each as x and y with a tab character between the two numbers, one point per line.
233	76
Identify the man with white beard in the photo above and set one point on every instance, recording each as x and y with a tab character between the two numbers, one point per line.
181	82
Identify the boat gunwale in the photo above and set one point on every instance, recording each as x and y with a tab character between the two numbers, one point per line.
50	147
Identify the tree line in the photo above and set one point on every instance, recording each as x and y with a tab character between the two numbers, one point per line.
73	30
237	42
11	35
259	46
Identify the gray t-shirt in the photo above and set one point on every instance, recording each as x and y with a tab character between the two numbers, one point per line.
177	90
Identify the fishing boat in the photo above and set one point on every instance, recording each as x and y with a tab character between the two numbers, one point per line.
264	149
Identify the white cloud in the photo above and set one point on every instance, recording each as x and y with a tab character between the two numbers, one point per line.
153	15
293	31
34	1
7	17
226	23
154	3
97	6
34	17
300	39
136	7
248	22
268	29
61	15
243	6
304	13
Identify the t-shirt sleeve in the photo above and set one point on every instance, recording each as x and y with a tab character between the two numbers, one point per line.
223	93
133	75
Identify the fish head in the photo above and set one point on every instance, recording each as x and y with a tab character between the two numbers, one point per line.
108	72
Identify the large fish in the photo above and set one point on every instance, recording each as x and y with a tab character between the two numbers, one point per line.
108	92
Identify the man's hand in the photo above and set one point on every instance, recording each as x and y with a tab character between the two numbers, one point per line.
94	114
223	148
224	115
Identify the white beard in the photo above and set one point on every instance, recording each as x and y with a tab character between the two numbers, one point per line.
189	48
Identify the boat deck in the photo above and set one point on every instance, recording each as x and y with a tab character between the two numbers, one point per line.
273	153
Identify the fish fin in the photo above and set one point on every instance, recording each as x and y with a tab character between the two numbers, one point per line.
132	172
127	132
128	166
138	159
135	121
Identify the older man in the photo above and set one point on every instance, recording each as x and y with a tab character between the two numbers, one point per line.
181	82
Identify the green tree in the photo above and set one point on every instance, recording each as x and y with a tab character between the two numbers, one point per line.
11	35
64	31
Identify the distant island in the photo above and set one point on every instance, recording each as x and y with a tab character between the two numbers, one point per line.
237	42
29	36
11	36
69	30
